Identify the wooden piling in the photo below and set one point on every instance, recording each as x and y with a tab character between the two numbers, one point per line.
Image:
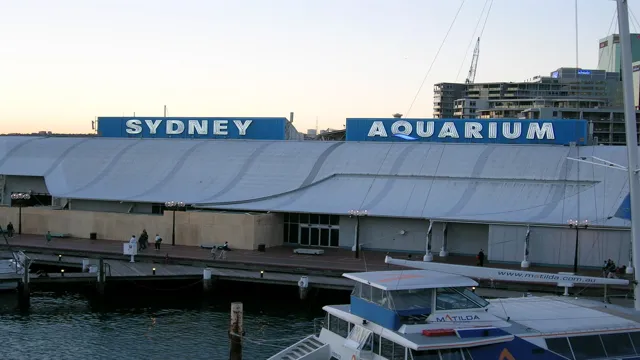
102	278
236	332
24	291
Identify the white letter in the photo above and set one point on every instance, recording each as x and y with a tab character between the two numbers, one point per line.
242	128
406	127
420	130
195	126
220	127
449	130
377	129
507	133
493	130
472	130
175	127
153	125
133	127
536	131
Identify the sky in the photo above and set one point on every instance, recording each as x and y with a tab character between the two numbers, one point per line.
64	62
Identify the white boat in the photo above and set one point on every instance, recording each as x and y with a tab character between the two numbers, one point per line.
434	314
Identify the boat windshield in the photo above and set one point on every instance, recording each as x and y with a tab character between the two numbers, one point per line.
458	298
412	299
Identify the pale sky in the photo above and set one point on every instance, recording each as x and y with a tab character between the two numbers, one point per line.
64	62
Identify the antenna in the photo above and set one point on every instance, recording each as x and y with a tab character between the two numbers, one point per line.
165	111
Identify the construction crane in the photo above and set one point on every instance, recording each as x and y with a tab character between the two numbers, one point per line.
474	64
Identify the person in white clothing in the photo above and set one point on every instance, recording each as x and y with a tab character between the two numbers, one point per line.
158	241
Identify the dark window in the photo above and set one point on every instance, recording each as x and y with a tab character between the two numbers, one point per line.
635	338
617	344
451	354
398	352
304	218
333	324
560	346
314	219
334	220
286	217
304	235
587	347
335	237
376	344
343	328
386	348
324	237
315	236
293	218
555	113
293	233
324	219
286	233
425	355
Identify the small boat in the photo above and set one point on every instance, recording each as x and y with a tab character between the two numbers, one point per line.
436	315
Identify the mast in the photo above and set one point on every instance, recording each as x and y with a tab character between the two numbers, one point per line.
626	70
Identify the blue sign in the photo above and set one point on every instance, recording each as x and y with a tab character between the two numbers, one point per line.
499	131
584	72
193	127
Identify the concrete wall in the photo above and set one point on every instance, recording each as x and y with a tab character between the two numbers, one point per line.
384	234
23	184
109	206
242	231
553	245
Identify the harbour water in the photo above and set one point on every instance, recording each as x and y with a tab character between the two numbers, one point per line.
154	325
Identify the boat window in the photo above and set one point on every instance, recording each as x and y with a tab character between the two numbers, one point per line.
357	289
362	337
365	293
376	344
467	354
425	355
587	347
635	338
475	298
410	299
617	344
338	326
451	299
560	346
451	354
325	321
390	350
376	295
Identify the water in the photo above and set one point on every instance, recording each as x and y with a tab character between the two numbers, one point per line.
178	325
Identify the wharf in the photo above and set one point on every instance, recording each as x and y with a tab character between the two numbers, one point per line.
279	264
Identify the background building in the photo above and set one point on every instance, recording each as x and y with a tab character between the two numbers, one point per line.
609	52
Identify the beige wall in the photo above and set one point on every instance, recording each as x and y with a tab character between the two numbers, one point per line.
242	231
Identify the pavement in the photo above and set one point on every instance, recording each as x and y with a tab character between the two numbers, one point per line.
283	256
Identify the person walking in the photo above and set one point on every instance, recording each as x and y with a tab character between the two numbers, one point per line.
158	242
48	236
10	229
144	240
480	258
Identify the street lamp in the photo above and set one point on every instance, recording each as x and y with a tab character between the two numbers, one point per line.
173	205
357	214
575	224
20	198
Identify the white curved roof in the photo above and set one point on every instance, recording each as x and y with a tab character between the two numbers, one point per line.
470	182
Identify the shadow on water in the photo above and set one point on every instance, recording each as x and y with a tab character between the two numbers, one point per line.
156	320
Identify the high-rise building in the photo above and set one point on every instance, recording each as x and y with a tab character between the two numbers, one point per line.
609	53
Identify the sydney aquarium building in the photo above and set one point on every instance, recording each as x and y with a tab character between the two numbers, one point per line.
455	186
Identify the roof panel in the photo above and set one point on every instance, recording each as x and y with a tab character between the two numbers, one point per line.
471	182
410	279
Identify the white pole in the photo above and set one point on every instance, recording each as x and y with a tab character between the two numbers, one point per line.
427	254
525	262
631	133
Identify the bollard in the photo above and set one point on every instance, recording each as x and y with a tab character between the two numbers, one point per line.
303	287
236	332
62	272
206	280
261	274
154	271
59	257
85	265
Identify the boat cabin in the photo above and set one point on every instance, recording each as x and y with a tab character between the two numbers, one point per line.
395	298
